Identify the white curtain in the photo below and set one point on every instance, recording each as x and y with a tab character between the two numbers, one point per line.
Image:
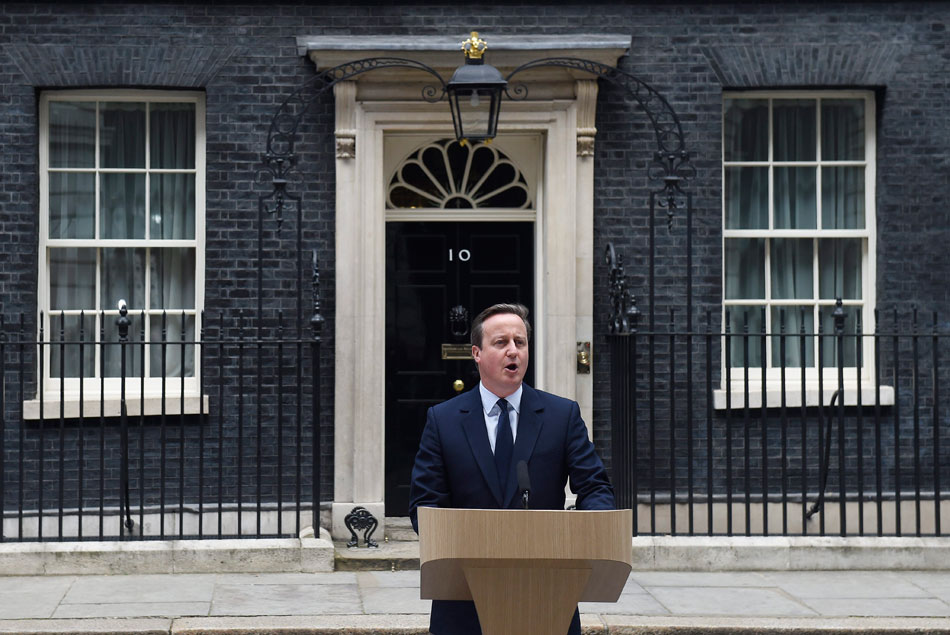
122	215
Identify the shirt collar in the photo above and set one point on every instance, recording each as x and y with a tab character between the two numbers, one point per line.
489	399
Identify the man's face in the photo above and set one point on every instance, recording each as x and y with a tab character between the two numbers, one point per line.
503	356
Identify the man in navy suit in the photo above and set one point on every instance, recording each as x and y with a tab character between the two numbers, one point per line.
472	443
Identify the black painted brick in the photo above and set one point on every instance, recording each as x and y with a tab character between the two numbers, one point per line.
243	56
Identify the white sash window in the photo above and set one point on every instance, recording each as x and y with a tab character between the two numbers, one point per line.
798	231
121	218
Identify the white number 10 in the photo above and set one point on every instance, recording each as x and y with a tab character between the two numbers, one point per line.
463	254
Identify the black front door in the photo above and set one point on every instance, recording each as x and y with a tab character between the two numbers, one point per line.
432	269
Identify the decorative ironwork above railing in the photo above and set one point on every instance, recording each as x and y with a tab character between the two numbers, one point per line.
280	157
671	165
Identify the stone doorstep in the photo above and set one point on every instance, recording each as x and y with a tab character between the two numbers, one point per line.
399	528
303	555
391	555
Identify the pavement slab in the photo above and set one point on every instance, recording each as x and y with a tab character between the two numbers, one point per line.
103	589
698	578
627	604
394	601
373	602
132	609
845	584
285	599
32	596
336	577
727	601
935	583
388	579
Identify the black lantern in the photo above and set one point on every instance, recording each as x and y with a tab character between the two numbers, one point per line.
475	94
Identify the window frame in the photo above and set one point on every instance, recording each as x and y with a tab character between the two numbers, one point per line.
868	235
95	388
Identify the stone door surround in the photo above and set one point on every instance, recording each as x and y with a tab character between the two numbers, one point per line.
560	107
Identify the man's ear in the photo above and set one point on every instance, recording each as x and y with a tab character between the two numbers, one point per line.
476	353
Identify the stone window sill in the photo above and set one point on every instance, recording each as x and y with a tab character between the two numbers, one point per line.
793	395
110	406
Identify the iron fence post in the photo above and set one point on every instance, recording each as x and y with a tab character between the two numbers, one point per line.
123	322
316	328
839	315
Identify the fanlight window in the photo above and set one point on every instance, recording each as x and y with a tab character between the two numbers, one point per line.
449	175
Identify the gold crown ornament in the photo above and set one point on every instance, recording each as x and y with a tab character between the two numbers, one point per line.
474	47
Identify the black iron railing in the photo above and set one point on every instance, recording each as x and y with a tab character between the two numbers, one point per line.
721	433
226	445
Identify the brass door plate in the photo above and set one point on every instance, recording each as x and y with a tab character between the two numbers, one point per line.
457	351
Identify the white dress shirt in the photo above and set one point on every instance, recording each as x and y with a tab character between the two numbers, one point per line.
492	412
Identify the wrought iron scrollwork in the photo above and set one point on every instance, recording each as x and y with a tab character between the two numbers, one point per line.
671	166
624	313
673	170
280	157
360	519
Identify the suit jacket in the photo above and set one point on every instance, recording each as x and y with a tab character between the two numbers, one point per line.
455	467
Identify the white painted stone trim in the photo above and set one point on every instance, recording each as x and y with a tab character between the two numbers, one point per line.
793	395
382	102
110	405
283	555
791	553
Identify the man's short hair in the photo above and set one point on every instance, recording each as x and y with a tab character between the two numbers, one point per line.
498	309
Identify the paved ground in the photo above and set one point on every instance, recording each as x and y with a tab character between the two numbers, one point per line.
388	602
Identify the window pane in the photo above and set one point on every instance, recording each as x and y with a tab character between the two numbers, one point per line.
794	129
123	278
746	130
72	205
747	198
173	206
796	205
842	198
172	279
122	206
799	324
839	272
791	264
842	129
72	279
172	350
172	140
72	134
72	351
745	268
122	135
112	350
829	342
745	325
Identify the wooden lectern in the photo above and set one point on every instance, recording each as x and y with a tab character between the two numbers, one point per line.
526	570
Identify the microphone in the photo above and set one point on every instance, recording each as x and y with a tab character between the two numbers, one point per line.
524	482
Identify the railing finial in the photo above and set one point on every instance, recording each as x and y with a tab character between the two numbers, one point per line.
624	312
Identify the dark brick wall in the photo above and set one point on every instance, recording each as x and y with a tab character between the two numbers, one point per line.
243	57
